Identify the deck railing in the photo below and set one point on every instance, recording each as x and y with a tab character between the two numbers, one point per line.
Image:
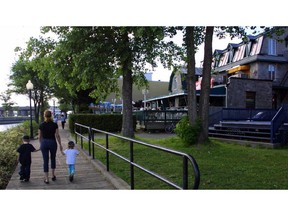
88	134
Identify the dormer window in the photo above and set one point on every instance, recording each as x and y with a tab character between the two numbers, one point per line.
271	46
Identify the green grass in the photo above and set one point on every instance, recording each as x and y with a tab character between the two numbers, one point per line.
222	165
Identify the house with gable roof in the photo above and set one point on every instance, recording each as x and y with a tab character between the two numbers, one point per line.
254	71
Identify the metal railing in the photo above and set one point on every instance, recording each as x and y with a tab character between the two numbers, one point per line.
80	130
276	123
243	114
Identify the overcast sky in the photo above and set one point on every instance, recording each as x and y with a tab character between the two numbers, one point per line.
19	21
13	36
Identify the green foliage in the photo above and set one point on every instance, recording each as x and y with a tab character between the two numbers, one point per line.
9	142
106	122
7	103
26	127
187	132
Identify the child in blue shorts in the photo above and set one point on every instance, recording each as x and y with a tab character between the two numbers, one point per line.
71	155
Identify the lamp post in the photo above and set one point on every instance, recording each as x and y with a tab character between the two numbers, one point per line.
54	114
29	87
145	92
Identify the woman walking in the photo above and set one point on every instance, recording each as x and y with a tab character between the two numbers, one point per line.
48	134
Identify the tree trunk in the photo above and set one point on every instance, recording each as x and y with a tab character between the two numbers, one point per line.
127	119
205	85
191	81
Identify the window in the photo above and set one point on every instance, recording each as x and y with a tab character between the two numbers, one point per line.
271	71
250	99
271	46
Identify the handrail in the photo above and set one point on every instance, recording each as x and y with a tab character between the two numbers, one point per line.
186	157
276	122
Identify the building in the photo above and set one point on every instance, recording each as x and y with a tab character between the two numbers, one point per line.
113	102
254	71
250	74
177	97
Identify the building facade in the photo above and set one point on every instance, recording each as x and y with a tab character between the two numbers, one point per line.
254	71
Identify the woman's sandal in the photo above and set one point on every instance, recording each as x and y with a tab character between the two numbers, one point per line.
46	181
54	178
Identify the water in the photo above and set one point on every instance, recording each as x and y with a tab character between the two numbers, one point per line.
7	126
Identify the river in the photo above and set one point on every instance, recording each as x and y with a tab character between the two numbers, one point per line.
7	126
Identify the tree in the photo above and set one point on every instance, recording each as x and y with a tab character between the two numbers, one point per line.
205	85
7	103
31	65
193	38
95	57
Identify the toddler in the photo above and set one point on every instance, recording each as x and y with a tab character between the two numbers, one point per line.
71	154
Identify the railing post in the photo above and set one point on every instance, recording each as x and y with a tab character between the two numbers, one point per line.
93	146
185	173
89	141
131	165
107	153
81	138
75	130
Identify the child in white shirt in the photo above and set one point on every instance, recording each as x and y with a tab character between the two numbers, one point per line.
71	154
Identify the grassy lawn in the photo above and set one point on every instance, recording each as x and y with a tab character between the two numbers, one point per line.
222	165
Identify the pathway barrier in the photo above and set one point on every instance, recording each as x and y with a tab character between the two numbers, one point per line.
87	133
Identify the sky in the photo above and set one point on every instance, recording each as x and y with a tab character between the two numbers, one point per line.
13	36
19	21
10	38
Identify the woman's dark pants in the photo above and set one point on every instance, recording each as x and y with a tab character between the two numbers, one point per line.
49	146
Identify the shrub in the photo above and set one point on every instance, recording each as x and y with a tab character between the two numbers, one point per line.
26	126
9	142
186	132
106	122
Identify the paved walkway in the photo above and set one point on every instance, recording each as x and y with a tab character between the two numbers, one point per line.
89	174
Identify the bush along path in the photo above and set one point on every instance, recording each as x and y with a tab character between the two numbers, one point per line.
9	142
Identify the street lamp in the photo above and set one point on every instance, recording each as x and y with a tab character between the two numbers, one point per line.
54	108
29	87
145	92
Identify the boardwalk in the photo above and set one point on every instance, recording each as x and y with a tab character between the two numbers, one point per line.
89	175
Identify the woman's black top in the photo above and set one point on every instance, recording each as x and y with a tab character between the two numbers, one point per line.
48	129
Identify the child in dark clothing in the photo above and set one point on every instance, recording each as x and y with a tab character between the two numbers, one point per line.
24	158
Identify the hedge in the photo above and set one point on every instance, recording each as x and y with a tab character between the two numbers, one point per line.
105	122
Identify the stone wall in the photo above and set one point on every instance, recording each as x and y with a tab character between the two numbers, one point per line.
237	88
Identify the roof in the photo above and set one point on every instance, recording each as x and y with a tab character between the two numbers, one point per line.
217	91
183	70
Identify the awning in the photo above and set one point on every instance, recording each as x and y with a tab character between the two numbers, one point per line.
239	68
164	97
217	91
